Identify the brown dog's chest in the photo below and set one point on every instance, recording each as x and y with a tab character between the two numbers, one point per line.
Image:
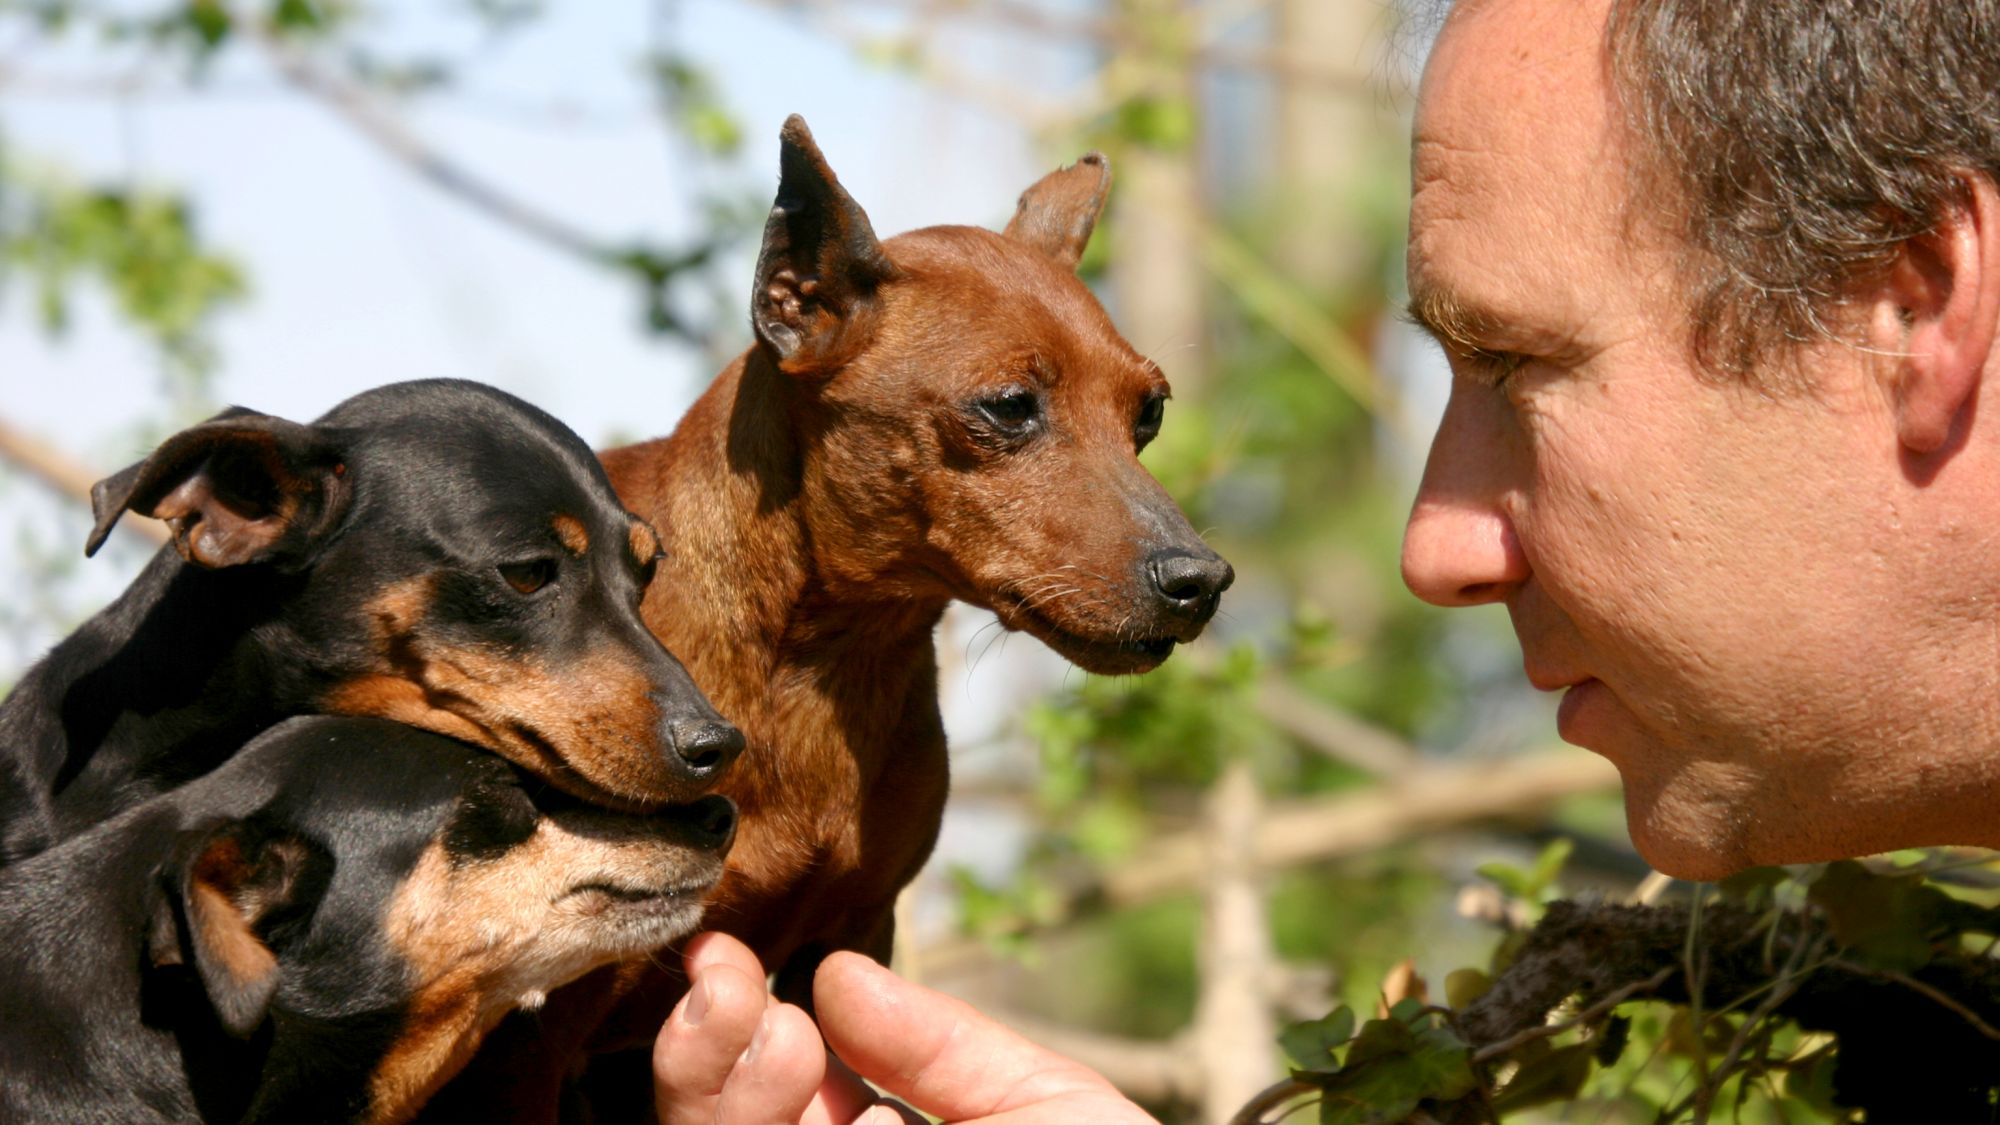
836	815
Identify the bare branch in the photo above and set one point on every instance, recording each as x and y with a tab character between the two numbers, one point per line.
1596	1011
1283	1098
1420	800
1430	798
1145	1070
1332	731
1922	989
63	475
1233	1029
360	110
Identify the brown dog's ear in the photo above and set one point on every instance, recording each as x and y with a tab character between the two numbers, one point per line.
813	305
1058	212
225	882
239	488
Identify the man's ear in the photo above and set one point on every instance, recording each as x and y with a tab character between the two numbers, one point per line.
239	488
1943	295
813	305
1057	213
224	882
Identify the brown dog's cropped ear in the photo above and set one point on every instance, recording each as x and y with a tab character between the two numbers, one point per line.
224	882
1058	211
813	305
239	488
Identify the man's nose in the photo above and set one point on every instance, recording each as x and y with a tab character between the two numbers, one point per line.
1457	553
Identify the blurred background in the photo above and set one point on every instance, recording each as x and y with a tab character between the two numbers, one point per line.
279	203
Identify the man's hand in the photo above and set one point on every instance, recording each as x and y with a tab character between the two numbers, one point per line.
731	1054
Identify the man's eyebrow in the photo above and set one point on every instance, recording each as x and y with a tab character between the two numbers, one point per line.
1444	317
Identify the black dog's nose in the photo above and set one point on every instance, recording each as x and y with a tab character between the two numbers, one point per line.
1190	584
713	821
705	747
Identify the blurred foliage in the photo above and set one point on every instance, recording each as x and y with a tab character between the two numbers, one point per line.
333	41
1738	999
140	245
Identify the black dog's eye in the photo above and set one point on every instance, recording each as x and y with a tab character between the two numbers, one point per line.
527	577
1012	410
1148	426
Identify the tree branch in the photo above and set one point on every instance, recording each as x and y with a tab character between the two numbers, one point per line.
1429	798
62	474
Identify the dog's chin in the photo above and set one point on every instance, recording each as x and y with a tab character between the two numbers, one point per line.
1103	656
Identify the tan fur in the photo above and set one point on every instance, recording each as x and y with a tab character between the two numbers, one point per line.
575	725
481	937
642	542
571	533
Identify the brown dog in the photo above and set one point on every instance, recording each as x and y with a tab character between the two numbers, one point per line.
949	414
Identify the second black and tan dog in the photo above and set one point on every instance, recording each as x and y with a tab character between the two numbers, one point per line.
322	929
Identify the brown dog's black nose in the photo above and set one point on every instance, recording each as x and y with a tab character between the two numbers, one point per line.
703	748
712	819
1191	585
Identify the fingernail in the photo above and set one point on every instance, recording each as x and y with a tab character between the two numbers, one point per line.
757	1040
696	1006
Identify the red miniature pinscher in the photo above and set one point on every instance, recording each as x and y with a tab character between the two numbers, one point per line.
948	414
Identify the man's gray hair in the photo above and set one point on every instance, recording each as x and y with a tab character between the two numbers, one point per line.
1804	142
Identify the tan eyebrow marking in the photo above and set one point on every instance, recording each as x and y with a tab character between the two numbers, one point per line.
574	536
644	544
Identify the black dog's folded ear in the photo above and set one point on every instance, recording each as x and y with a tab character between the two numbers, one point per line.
222	890
239	488
1058	211
819	265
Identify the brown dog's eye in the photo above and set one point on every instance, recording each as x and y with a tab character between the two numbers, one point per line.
1012	410
1148	426
527	577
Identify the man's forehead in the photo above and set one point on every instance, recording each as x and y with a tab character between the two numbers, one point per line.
1514	63
1519	187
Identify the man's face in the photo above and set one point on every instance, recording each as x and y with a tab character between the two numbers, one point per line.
1776	628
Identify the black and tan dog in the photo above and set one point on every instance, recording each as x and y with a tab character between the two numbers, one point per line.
437	552
321	929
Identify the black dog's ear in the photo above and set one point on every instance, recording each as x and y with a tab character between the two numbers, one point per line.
239	488
224	883
1058	211
813	304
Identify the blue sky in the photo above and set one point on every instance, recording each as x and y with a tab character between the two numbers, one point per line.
363	274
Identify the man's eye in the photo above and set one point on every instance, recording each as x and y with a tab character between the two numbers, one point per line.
529	576
1491	368
1012	410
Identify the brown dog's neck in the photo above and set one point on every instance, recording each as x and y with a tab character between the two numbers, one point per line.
743	596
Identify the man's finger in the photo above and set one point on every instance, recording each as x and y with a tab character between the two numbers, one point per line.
702	1039
778	1074
943	1057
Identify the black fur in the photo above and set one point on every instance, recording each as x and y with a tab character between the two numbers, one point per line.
441	481
105	1013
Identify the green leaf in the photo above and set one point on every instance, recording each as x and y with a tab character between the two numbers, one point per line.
1463	986
1752	886
1886	920
1310	1044
1548	865
1556	1076
1391	1067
